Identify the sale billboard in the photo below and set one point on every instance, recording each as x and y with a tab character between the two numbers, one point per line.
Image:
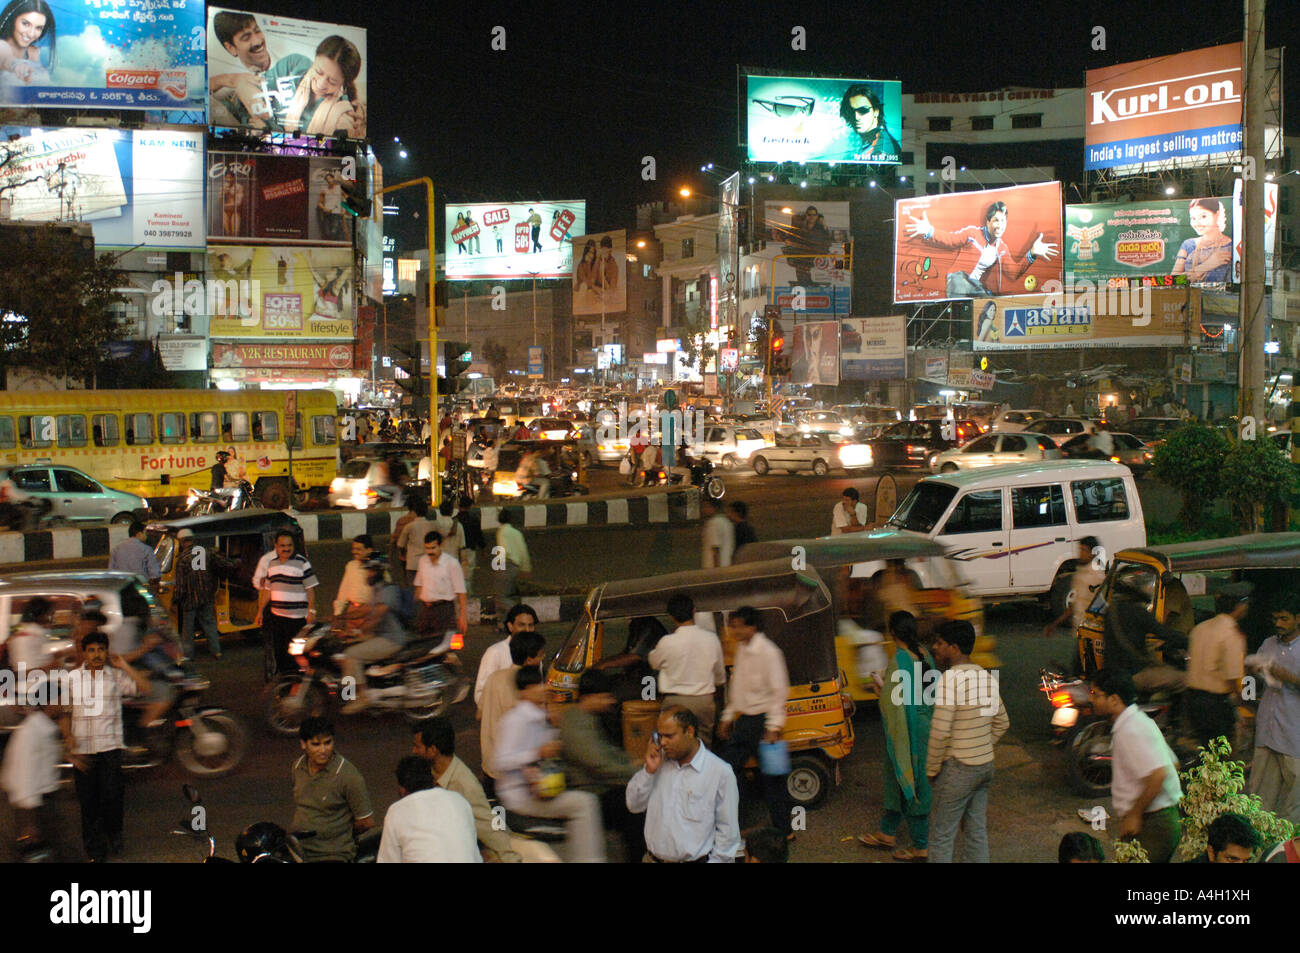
815	357
513	239
94	54
134	188
873	349
280	292
1191	237
804	119
970	244
1163	108
600	273
1148	317
276	198
281	75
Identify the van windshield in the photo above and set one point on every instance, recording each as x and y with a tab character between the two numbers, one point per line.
923	507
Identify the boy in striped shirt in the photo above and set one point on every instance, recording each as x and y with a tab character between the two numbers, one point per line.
969	718
285	582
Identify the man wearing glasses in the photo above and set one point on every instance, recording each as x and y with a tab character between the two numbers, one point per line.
864	114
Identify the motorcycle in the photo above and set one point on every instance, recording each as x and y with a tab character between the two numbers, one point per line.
208	742
24	516
702	476
562	483
206	502
423	680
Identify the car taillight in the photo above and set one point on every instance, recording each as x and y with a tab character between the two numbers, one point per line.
1114	459
457	642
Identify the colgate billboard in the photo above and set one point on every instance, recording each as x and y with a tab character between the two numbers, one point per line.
1168	107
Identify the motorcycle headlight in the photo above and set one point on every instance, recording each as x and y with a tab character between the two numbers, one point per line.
297	645
190	497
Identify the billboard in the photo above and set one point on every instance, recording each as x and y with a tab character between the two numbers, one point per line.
280	292
1191	237
600	273
134	188
1238	230
971	244
1167	107
276	198
801	119
815	357
276	74
92	54
873	349
1148	317
320	356
513	239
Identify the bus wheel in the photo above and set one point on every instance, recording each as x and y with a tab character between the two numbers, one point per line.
300	496
275	496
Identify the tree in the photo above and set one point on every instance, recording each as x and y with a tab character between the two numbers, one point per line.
1191	461
1255	474
497	358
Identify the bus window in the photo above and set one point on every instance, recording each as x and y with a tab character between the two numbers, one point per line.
7	437
139	429
266	426
72	430
171	428
234	427
324	430
105	430
36	431
203	427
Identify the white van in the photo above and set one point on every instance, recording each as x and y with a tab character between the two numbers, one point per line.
1015	528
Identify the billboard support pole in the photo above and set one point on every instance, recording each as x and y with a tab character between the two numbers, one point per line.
1253	319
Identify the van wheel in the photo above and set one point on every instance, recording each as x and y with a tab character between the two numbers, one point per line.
820	468
122	519
1059	595
729	462
275	496
949	468
761	466
808	781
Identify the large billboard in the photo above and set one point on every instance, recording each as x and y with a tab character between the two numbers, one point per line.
320	356
95	54
873	349
600	273
276	74
1238	230
1191	237
134	188
970	244
815	357
280	292
513	239
276	198
811	237
1167	107
1147	317
800	119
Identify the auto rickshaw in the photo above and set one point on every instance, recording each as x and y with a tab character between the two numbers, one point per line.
852	564
796	615
564	457
242	537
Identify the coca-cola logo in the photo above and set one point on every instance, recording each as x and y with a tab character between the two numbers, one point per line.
340	355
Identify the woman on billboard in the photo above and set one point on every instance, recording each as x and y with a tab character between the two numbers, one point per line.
1207	257
24	24
325	99
989	268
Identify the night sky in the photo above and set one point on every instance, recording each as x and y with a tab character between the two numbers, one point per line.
584	90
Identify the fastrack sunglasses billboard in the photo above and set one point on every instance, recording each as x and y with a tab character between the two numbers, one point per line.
804	119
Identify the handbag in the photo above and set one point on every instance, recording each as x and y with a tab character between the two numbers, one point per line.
625	467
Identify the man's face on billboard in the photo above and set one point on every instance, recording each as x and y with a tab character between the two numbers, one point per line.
997	224
865	117
249	45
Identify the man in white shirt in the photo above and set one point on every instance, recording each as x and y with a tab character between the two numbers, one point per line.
1084	582
453	534
1144	784
690	666
521	618
440	588
848	514
688	795
511	546
719	534
755	711
355	590
429	825
410	541
526	738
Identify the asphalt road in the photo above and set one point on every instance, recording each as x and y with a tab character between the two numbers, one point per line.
1030	806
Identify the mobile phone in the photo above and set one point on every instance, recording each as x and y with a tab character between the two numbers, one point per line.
654	738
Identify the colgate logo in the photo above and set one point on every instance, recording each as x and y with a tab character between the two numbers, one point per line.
172	81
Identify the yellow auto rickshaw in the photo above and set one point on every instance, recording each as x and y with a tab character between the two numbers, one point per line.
854	565
796	614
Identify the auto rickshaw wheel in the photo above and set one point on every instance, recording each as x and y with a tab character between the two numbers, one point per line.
809	781
300	496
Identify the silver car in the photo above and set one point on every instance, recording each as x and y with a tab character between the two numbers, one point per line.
122	598
995	449
75	497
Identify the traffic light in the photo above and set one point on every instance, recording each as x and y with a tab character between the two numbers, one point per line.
779	362
456	358
407	373
356	199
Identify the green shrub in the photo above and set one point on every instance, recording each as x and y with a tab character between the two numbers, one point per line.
1191	462
1215	787
1256	476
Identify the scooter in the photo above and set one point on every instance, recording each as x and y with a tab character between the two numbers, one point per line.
423	680
562	483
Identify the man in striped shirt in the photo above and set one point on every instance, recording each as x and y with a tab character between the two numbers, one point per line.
969	718
285	582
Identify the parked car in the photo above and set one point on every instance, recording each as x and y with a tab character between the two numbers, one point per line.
74	496
1129	450
995	449
1014	421
729	447
1153	431
1061	429
818	452
356	484
918	443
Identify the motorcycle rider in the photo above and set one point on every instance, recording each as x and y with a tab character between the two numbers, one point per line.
382	633
1128	623
535	473
219	470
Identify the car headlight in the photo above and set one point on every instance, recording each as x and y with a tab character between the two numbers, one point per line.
846	431
855	455
337	485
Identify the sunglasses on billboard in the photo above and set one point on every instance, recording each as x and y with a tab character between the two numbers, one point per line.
800	104
863	110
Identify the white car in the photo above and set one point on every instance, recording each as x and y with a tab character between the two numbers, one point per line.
818	452
995	449
356	484
1014	421
1061	429
823	421
729	447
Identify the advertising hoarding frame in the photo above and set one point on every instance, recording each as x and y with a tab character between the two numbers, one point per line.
1029	322
815	119
873	349
529	246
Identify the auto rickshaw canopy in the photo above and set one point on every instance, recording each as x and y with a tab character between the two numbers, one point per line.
236	523
846	549
1257	551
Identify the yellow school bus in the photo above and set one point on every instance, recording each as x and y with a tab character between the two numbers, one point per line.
160	443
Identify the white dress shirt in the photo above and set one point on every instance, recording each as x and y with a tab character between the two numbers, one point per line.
494	659
689	662
691	810
720	534
434	826
512	541
1137	749
97	712
760	683
520	737
441	581
840	518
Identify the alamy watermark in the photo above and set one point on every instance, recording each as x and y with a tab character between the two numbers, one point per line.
685	425
1085	299
964	687
79	688
230	297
